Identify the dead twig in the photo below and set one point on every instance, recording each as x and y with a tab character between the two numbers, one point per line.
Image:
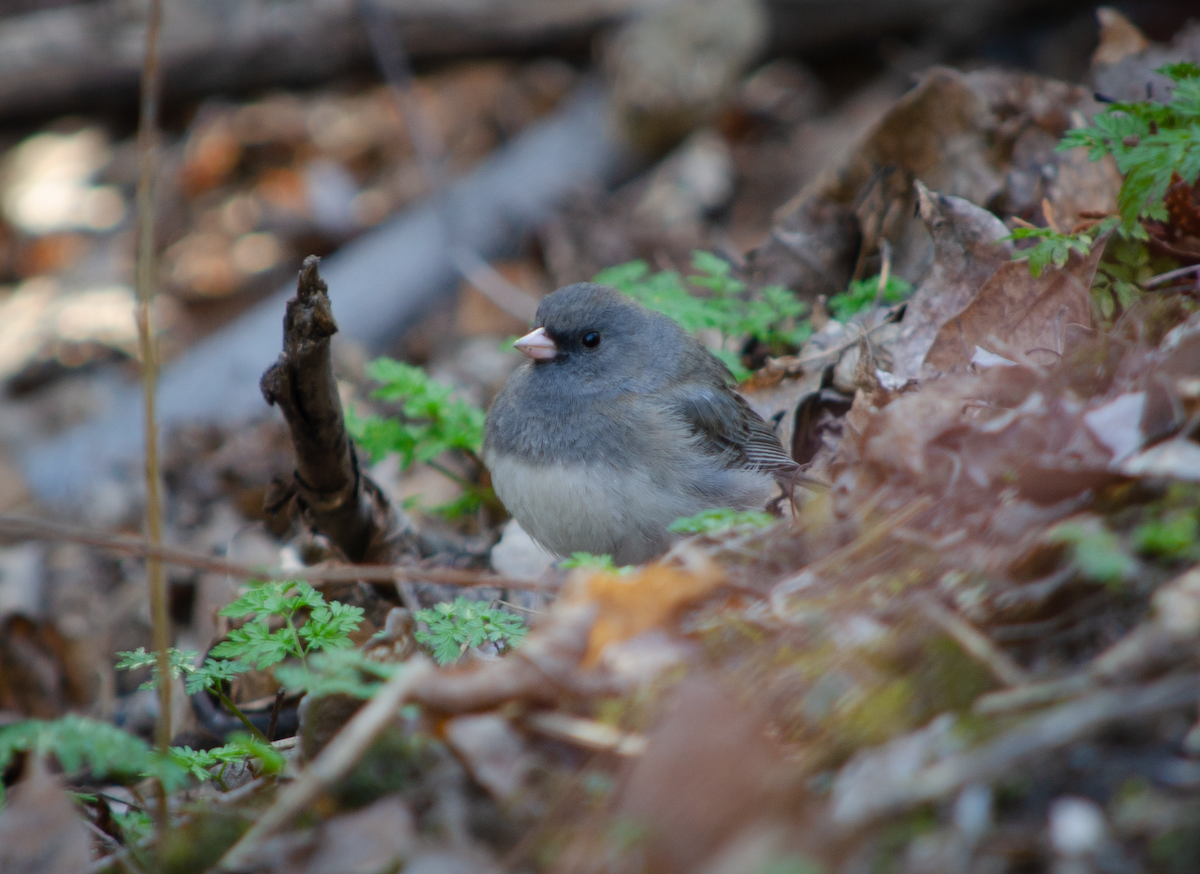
974	642
1155	281
335	496
332	763
39	529
587	733
1033	695
145	282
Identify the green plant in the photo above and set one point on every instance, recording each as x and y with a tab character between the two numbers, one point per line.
1151	143
104	751
721	519
80	744
457	625
210	676
593	562
338	672
327	627
1121	276
1096	552
432	422
861	294
1172	536
1055	247
241	748
135	824
773	318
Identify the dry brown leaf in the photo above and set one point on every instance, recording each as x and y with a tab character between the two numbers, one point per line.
631	604
694	788
1018	316
39	830
966	252
1119	37
1080	186
493	751
1124	68
40	671
373	840
958	134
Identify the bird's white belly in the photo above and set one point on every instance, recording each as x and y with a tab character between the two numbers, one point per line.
601	509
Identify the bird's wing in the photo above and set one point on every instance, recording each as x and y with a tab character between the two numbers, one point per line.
732	430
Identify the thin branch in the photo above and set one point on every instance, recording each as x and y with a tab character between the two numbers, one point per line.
145	281
864	793
1155	281
587	733
975	642
333	762
40	529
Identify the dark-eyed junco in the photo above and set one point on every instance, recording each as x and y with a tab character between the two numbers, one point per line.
619	424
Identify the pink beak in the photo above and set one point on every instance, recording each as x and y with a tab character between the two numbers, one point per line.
537	345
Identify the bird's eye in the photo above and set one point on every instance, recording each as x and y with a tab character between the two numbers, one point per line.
591	339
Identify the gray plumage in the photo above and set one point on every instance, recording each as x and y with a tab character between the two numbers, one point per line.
600	448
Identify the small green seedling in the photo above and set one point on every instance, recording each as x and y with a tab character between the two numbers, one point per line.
1054	247
589	561
773	318
455	626
1096	552
328	626
211	764
255	645
1152	144
432	423
1172	536
336	672
861	295
721	519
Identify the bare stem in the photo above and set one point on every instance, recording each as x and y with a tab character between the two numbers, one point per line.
147	137
237	711
42	529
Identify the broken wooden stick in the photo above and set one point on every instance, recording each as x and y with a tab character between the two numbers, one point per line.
334	496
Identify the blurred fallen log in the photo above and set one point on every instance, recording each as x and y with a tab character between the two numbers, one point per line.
386	281
333	494
58	59
861	793
54	60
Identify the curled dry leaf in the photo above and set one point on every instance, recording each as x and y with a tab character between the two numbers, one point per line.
492	750
1123	64
1018	316
39	830
966	253
694	788
631	604
987	137
367	841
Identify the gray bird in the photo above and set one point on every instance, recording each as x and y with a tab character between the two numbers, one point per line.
621	423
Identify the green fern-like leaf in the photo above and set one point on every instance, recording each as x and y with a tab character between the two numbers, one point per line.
455	626
721	519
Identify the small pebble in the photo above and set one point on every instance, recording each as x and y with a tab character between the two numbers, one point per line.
973	810
1077	826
